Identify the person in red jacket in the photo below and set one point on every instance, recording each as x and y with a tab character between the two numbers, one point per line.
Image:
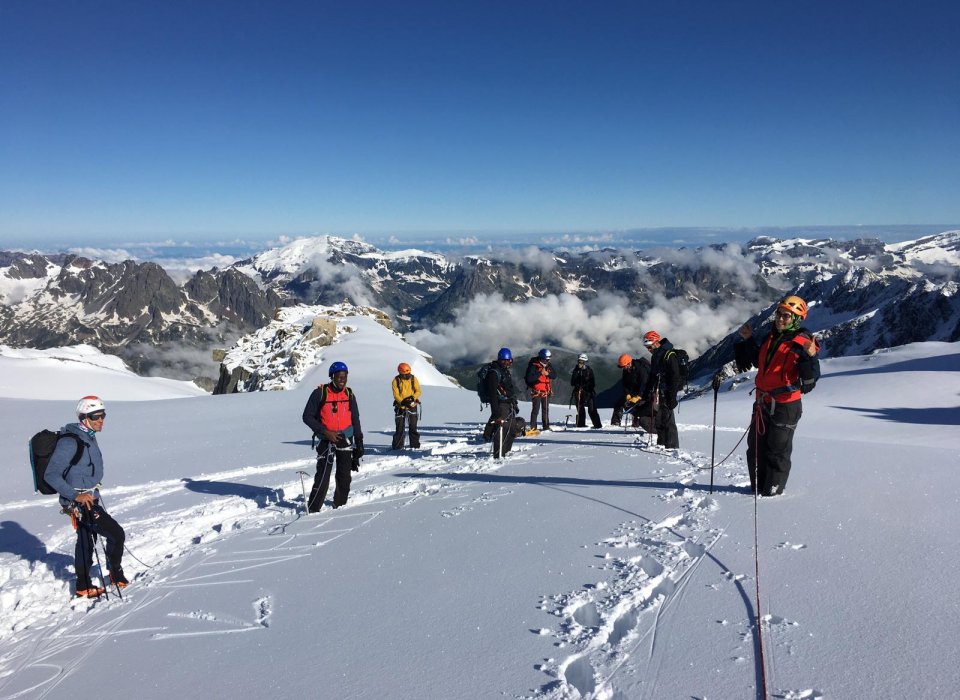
332	414
539	377
787	368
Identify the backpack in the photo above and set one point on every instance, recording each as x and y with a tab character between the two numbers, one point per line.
482	382
683	362
42	446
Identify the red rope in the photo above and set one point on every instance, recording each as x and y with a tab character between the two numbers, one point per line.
756	545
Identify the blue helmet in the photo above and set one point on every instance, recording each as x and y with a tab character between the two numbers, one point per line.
505	354
338	367
544	354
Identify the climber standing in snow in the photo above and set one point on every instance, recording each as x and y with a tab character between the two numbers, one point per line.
663	385
406	399
332	414
75	470
787	368
584	391
539	378
635	373
498	390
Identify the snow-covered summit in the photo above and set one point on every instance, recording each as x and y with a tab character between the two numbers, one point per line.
302	341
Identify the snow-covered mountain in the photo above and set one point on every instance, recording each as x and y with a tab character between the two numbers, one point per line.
127	308
280	354
865	295
584	565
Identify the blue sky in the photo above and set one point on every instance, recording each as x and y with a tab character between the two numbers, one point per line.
140	120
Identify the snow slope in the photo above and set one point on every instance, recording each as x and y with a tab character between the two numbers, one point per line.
69	373
583	565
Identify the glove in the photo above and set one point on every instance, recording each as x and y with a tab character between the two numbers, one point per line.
355	462
631	398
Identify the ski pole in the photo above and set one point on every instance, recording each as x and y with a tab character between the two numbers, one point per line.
713	443
96	553
115	583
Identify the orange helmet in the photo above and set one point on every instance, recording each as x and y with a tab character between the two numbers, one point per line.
650	338
794	305
403	368
624	361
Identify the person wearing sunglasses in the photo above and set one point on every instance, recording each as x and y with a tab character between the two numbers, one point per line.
787	368
76	477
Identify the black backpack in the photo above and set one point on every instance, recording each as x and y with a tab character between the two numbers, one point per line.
482	381
683	362
42	446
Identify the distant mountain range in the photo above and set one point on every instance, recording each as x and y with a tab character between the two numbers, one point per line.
864	294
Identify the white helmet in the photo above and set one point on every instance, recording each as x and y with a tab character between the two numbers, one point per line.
89	404
582	357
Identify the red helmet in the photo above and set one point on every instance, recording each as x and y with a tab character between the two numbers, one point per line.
794	305
624	361
403	368
650	338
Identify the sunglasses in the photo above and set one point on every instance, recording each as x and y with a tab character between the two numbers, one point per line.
99	415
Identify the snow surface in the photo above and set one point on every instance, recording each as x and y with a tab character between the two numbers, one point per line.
583	565
72	372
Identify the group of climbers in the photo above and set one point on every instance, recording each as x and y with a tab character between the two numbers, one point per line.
787	365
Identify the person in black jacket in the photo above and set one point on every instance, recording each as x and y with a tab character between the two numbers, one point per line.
332	414
584	391
499	387
662	388
635	373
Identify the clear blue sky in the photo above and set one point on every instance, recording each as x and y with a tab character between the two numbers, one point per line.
171	118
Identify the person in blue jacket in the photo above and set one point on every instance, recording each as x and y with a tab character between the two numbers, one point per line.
79	496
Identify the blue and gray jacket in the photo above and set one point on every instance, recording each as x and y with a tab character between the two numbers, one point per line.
85	474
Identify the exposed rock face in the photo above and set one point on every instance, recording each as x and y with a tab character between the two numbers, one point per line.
279	354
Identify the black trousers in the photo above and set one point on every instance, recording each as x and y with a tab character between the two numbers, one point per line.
93	522
329	458
770	446
540	402
501	432
585	404
665	425
403	418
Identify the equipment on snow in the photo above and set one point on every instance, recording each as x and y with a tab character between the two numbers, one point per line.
713	443
41	447
306	504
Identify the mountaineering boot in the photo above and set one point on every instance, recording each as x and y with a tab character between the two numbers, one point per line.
118	579
92	592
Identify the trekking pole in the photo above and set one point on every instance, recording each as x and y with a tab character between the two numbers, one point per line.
713	443
306	506
115	583
96	553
